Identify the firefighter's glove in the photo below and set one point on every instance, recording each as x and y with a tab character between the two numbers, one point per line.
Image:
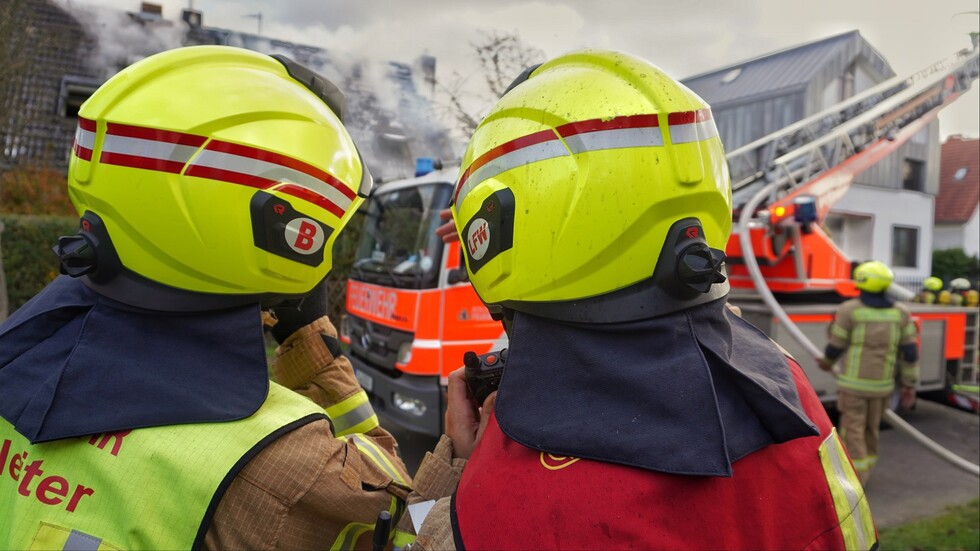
825	363
292	314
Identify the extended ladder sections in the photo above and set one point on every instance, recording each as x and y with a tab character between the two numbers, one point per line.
788	180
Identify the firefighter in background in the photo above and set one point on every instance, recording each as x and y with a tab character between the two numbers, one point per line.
874	336
137	411
958	288
635	409
930	287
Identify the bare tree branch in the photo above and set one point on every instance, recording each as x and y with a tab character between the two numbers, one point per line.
499	58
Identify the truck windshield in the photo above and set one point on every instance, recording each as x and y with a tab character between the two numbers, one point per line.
399	246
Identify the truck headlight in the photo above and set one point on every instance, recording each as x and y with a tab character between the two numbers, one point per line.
404	353
407	404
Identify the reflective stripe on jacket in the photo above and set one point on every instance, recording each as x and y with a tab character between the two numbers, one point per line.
149	488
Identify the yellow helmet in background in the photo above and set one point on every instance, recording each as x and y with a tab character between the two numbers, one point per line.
972	297
873	277
945	297
209	177
595	190
933	284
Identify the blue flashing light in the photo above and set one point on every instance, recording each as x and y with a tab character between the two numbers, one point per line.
424	165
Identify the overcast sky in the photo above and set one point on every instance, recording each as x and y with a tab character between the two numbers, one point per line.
683	37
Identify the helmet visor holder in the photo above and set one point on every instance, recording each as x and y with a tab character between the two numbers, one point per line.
330	94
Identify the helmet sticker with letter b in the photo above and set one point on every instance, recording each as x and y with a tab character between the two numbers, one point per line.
282	230
303	235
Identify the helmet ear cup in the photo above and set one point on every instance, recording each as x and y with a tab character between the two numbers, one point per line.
89	252
687	265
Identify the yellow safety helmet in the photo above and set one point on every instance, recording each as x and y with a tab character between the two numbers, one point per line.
595	190
972	297
873	277
209	177
945	297
933	284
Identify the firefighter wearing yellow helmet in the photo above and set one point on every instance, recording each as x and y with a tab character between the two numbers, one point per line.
931	286
875	339
593	205
136	406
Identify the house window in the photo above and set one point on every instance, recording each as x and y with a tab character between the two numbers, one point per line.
73	93
905	247
913	175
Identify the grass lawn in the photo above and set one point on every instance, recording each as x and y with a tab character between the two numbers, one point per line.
956	529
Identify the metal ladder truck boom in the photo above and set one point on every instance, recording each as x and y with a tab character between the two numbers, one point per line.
788	180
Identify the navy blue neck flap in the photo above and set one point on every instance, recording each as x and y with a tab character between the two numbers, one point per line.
73	363
876	300
686	393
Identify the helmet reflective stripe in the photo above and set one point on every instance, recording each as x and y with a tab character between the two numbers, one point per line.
84	139
691	126
582	137
167	151
148	148
263	169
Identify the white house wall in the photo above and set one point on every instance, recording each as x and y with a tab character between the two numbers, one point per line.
971	234
963	236
886	208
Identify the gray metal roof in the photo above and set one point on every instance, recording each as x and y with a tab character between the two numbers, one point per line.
782	72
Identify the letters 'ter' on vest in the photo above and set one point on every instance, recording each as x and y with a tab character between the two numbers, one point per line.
147	488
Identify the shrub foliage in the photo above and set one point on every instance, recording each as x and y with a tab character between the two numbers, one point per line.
28	261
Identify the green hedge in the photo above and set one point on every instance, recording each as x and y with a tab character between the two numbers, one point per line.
28	261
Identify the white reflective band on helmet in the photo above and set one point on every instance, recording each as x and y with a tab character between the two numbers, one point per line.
148	149
691	126
177	152
224	161
583	137
84	139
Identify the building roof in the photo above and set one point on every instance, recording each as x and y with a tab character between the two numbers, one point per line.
780	72
959	180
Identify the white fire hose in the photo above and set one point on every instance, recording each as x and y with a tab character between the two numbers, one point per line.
748	255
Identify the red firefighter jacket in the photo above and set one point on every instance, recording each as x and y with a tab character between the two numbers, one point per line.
800	494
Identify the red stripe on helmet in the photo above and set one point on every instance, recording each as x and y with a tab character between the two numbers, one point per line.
598	125
501	150
565	130
135	161
301	192
83	153
155	134
258	182
689	117
282	160
86	124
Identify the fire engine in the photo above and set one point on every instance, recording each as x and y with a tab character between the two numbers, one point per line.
411	313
